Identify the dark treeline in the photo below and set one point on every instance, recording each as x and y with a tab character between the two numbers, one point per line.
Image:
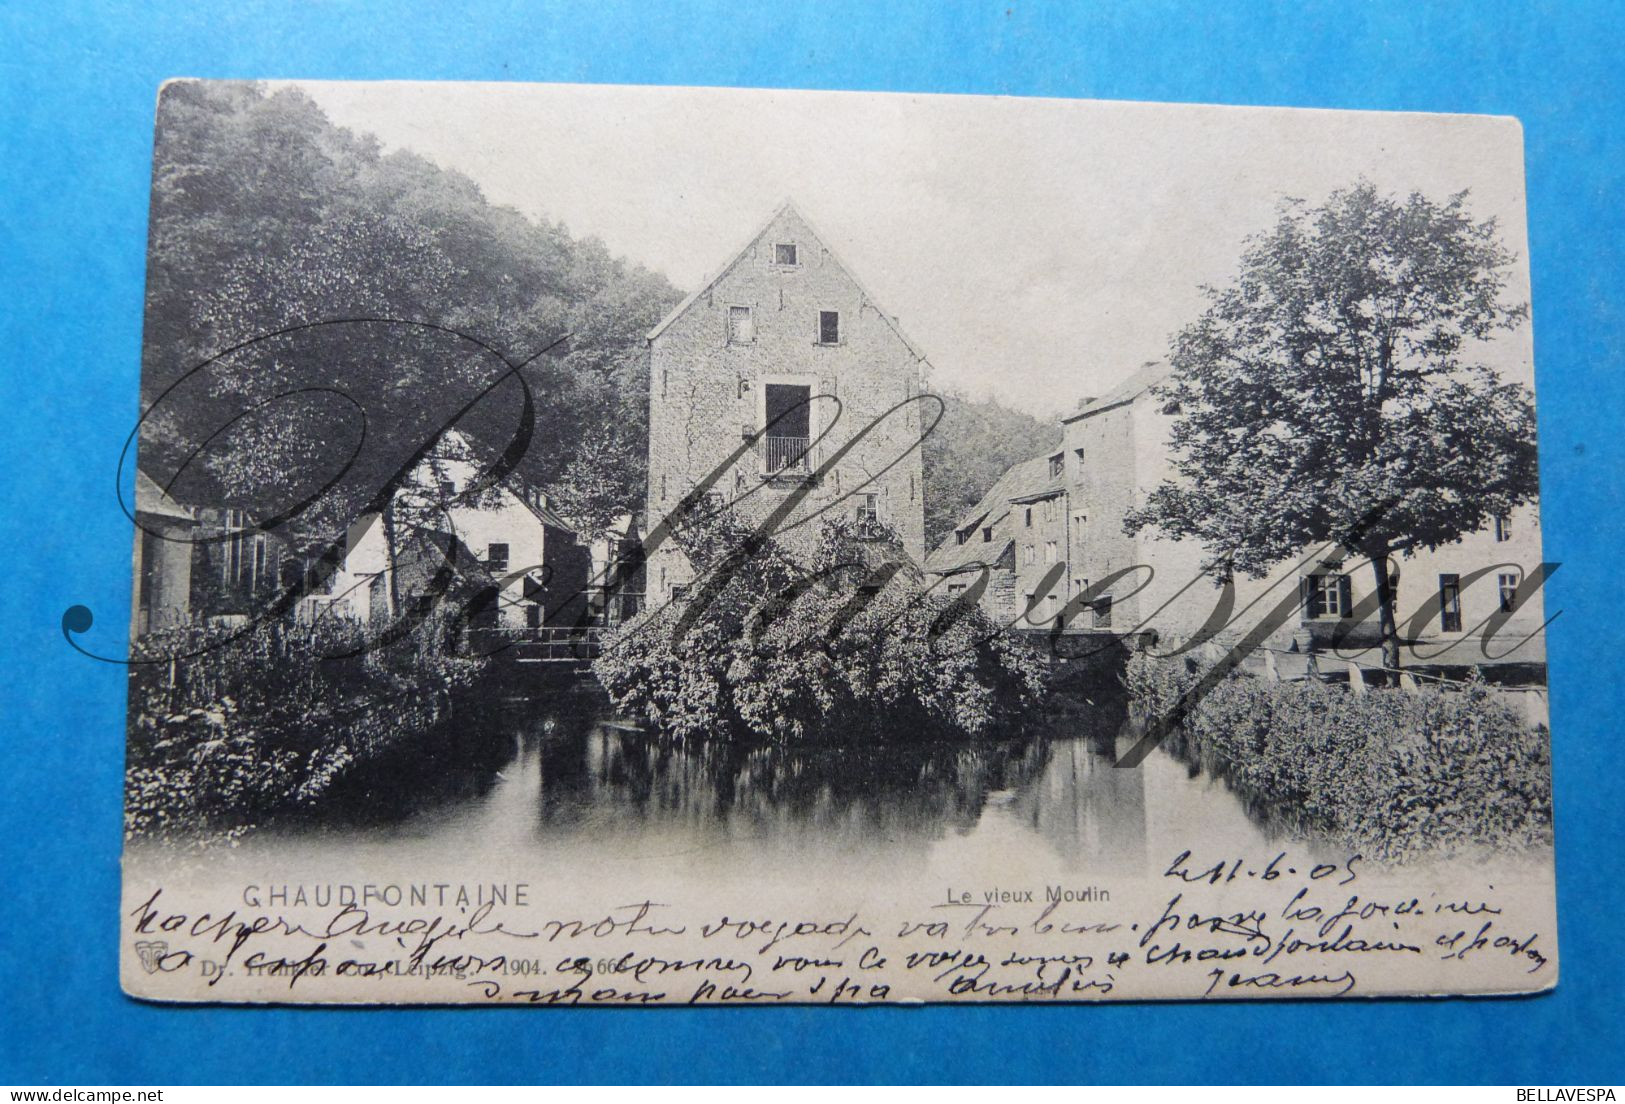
974	444
267	216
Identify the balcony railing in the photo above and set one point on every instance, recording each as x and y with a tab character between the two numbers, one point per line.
784	454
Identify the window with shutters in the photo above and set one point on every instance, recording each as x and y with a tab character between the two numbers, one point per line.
1049	552
1450	603
741	326
1326	596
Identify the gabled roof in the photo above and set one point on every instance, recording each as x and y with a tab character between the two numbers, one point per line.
1147	376
153	499
1033	479
457	446
737	255
544	514
1027	480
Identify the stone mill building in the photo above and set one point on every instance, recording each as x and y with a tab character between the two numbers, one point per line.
781	375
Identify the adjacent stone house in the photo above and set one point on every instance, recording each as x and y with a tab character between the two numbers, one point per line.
1013	537
1115	452
536	571
759	380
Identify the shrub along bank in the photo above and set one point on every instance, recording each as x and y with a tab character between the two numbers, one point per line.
245	728
1393	774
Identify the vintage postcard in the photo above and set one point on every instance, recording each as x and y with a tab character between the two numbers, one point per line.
622	546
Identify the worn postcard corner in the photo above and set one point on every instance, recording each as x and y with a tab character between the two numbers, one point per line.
608	545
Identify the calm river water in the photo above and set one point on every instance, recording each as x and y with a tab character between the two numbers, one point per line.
567	784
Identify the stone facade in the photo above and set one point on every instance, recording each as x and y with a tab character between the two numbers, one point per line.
786	346
1013	524
1049	535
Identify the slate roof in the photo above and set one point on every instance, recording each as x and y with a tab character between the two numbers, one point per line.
1147	376
1024	482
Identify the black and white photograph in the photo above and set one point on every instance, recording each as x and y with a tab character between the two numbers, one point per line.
639	545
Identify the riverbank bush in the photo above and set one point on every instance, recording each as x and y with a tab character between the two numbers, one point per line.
1393	774
247	726
789	654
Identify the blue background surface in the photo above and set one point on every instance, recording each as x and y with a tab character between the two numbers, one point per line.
77	89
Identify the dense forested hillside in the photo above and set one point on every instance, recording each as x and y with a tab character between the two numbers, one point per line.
973	445
397	295
266	217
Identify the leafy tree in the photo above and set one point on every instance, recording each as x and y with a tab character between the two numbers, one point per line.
793	655
974	444
1331	393
266	217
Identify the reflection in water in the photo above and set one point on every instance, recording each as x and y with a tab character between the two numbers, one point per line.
573	777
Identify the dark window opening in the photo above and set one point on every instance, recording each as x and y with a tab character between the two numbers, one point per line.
1450	603
482	611
1503	529
784	253
1103	611
987	534
829	327
496	557
1056	465
789	427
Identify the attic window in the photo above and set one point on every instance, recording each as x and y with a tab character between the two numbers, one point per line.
987	534
829	327
1056	465
741	326
784	253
